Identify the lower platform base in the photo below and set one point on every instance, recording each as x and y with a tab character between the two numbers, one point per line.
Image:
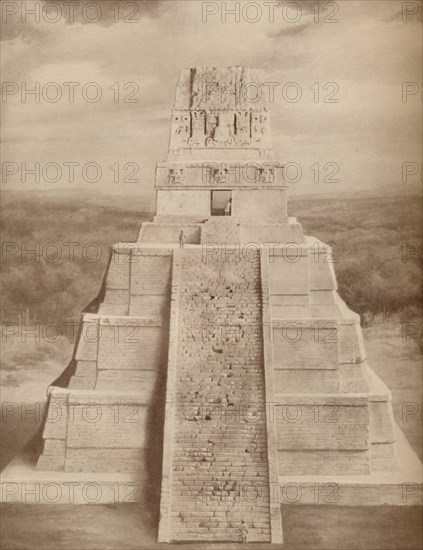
402	487
21	482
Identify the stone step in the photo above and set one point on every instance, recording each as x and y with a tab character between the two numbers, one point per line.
215	375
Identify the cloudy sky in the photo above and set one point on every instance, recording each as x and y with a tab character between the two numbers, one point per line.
367	49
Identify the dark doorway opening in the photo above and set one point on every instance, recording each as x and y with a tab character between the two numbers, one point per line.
221	203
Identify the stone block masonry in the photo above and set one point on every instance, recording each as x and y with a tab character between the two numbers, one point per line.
219	467
137	281
120	359
91	431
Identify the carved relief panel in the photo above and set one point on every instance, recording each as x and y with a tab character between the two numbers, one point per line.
180	129
243	126
222	134
219	128
259	126
198	125
176	176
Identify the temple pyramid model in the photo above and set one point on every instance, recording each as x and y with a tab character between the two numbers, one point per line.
220	375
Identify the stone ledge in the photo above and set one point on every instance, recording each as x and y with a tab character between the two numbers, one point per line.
66	393
350	400
143	249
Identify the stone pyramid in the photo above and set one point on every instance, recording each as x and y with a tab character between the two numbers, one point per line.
221	374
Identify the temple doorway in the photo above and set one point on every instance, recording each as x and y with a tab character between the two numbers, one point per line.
221	203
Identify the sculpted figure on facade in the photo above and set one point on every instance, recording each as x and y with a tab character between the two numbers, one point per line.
259	126
181	125
242	119
198	124
224	132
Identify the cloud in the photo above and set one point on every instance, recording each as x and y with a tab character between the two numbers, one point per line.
22	18
367	54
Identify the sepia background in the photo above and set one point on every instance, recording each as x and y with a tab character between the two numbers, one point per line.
346	114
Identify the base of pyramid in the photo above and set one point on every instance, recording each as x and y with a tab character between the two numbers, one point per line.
22	482
402	487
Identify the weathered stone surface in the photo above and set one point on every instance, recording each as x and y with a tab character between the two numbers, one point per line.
219	442
264	366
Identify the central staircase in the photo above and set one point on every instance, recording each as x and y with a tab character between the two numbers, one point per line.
219	474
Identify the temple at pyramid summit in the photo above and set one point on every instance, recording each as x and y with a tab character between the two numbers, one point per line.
219	375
